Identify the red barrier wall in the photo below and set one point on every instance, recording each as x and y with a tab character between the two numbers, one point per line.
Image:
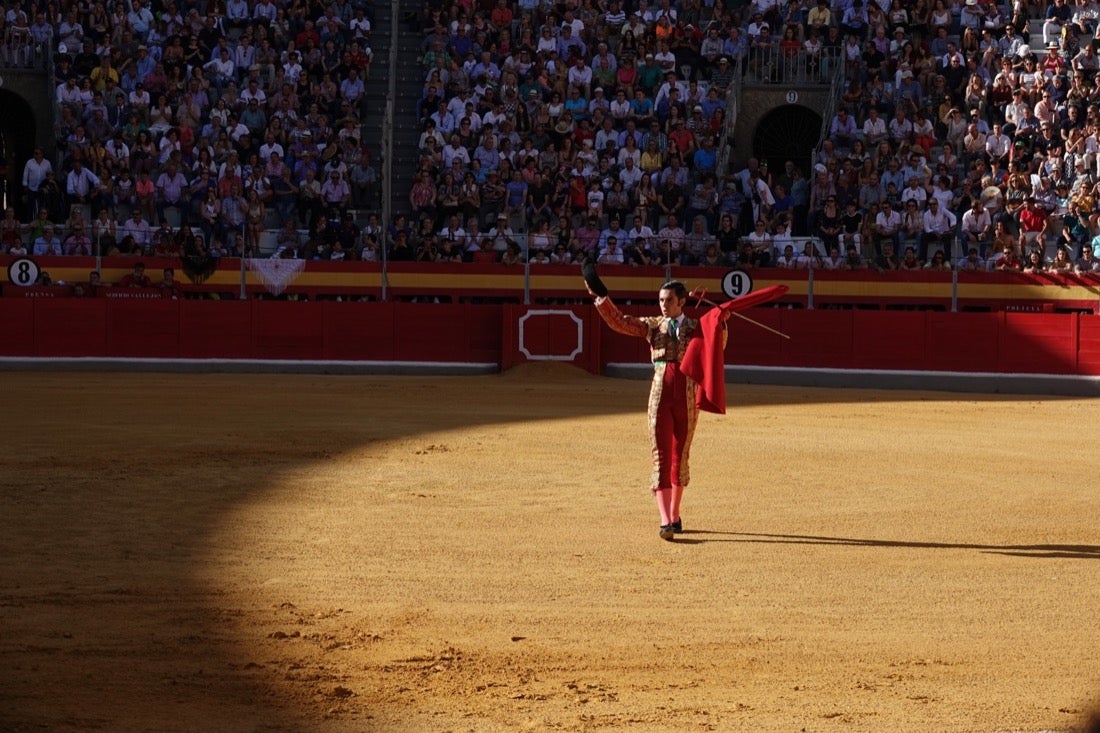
1088	346
250	329
66	327
210	329
1011	343
140	328
1000	342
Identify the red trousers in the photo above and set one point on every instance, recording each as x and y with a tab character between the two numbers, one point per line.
669	419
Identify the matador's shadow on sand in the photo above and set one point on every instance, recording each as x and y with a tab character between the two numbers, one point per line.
1082	552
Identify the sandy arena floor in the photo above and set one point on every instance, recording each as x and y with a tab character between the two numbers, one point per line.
309	553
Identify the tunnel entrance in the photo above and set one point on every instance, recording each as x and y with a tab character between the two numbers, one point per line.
17	136
790	132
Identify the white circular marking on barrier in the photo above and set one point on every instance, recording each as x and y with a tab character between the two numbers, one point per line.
548	357
736	283
23	272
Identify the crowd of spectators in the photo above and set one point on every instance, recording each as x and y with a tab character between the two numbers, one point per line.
957	144
211	120
558	131
563	131
591	127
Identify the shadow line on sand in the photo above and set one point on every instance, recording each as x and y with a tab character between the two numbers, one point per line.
1080	552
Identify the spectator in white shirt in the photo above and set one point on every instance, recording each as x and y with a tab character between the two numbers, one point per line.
253	91
580	76
34	175
977	226
939	228
69	93
874	128
887	225
997	145
82	185
455	151
138	228
642	231
222	70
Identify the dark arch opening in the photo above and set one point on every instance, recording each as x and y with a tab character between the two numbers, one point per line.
17	138
790	132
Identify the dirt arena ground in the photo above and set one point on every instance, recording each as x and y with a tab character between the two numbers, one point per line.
320	553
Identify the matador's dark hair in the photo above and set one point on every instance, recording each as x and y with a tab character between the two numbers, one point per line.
677	287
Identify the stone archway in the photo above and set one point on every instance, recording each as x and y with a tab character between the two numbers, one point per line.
788	132
18	132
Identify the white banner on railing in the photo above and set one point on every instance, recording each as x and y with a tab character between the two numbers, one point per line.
277	273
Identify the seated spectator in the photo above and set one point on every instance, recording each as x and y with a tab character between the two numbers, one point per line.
47	243
336	193
77	242
512	254
909	260
833	260
1061	264
1009	260
136	228
10	230
851	228
842	129
787	259
83	186
887	225
1033	222
169	286
136	278
1034	263
972	262
697	240
939	228
760	240
888	259
809	258
852	259
977	227
1087	263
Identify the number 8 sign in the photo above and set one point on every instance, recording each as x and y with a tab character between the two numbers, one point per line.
736	283
23	272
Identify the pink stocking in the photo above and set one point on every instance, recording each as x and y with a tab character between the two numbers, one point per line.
677	493
664	504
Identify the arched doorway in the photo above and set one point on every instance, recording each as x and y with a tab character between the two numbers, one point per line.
790	132
17	140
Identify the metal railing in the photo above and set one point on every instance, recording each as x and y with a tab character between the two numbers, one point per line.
725	142
387	129
836	91
30	56
773	65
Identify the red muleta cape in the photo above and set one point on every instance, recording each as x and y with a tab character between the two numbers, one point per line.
704	359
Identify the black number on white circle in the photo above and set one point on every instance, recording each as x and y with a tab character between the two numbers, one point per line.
736	283
23	272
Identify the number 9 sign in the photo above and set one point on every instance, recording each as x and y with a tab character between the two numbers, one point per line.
736	283
23	272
